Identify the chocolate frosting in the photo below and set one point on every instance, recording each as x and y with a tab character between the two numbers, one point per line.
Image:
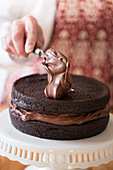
57	66
61	119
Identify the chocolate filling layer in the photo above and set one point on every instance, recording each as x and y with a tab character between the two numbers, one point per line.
61	119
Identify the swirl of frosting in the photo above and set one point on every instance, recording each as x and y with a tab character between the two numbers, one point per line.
57	66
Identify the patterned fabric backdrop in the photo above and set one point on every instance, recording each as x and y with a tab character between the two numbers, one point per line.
84	33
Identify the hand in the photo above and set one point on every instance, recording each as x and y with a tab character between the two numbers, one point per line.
23	36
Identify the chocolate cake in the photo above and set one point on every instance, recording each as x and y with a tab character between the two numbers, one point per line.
81	113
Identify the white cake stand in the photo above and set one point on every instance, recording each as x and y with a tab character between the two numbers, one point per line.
55	154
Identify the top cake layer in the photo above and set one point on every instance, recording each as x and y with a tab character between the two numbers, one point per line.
89	95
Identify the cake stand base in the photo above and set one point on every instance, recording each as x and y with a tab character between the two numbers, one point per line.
55	154
36	168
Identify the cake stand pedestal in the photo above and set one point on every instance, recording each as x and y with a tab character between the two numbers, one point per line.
55	154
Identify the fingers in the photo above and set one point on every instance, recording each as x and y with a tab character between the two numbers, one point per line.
23	35
9	45
40	38
6	44
31	29
17	36
13	42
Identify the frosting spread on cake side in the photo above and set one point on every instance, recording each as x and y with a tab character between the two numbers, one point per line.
61	119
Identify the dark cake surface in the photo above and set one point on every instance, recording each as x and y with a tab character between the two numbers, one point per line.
90	95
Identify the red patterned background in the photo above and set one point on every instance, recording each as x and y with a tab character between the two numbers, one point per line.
84	32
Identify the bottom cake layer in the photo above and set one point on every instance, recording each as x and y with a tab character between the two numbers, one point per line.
59	132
